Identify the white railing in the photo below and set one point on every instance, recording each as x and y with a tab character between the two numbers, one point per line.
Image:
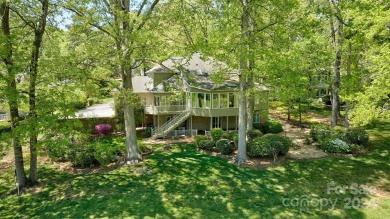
171	124
179	133
165	109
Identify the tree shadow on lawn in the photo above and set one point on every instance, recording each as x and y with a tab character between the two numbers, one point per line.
186	183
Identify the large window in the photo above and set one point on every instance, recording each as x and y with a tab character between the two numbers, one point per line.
157	100
201	100
256	118
208	101
215	101
193	99
223	100
232	100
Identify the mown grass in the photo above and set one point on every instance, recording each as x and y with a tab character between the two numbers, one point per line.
185	183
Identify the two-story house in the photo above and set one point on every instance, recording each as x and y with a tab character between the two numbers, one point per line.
187	97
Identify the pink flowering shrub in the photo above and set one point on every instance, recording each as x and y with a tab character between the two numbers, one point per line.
102	129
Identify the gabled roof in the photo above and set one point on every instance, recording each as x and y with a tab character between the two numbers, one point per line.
199	72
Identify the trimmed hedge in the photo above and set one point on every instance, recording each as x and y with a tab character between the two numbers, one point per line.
224	146
253	133
198	139
206	144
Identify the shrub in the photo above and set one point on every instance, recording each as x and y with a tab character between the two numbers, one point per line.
320	132
206	144
256	148
5	127
102	129
253	133
81	155
106	152
269	144
357	136
269	126
323	132
148	132
224	146
336	146
198	139
216	134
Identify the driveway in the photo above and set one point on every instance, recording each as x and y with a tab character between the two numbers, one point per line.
97	111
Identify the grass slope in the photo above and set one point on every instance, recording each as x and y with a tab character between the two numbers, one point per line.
186	183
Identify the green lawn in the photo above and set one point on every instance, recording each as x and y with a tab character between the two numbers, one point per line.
186	183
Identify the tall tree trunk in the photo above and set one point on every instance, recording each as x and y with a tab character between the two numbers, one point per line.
337	65
12	94
132	155
38	35
249	103
241	153
242	117
250	77
289	110
349	62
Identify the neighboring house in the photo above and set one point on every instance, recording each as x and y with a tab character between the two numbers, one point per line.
3	116
319	86
188	97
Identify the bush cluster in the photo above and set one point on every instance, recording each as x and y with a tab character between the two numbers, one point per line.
198	139
270	126
267	145
224	146
357	136
216	134
336	146
253	133
206	144
352	136
82	151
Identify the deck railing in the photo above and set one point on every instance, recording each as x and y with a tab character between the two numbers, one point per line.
164	109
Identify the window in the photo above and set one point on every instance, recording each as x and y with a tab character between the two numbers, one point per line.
157	100
215	101
216	122
194	102
256	118
201	100
223	100
164	101
208	101
232	101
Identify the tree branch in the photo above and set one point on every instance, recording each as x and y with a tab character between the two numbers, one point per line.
148	13
27	22
80	14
